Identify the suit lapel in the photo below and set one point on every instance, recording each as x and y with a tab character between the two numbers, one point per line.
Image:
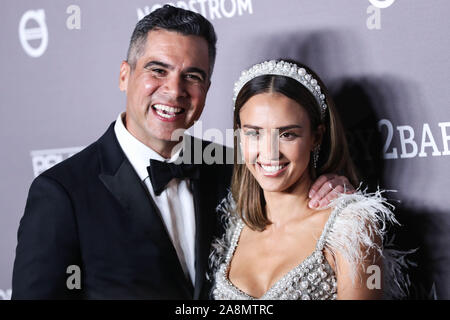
204	222
132	194
122	181
206	197
205	201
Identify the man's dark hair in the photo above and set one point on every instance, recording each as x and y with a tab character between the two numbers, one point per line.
172	19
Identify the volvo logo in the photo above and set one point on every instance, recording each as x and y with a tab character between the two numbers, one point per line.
38	34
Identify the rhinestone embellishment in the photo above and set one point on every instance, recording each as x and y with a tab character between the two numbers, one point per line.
283	68
311	279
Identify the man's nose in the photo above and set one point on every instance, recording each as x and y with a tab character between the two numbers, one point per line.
174	86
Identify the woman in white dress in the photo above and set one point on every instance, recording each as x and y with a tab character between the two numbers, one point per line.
275	246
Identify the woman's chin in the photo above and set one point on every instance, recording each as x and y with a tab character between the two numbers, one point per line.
278	184
271	187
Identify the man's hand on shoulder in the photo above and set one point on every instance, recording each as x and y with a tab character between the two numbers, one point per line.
327	188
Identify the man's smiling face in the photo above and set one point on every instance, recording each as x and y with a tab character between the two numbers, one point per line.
167	88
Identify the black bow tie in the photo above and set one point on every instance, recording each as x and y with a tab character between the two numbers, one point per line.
162	172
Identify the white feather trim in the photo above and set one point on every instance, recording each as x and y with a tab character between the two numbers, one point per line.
396	282
356	222
220	246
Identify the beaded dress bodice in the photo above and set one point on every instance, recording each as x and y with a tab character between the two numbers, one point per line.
356	220
312	279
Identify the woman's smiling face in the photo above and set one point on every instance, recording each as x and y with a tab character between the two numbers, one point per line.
277	140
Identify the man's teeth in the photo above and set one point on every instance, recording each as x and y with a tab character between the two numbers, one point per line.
165	115
273	168
161	107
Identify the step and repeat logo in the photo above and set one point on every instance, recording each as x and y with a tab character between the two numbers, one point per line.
34	35
210	9
382	4
415	142
45	159
33	31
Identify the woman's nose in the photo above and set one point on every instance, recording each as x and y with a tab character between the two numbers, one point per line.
270	147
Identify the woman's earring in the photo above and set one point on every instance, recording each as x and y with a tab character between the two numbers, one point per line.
316	156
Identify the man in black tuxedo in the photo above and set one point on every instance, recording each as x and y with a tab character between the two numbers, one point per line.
121	214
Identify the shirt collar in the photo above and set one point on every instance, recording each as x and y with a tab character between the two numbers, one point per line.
138	153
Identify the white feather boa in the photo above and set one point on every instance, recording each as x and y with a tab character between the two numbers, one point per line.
357	220
220	246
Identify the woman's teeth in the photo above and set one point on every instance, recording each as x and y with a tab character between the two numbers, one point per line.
166	111
272	169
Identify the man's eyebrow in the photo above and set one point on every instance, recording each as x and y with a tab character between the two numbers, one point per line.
197	70
158	63
168	66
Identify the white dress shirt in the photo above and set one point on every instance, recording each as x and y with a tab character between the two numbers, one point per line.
175	203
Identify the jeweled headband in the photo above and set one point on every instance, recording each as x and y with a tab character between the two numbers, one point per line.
283	68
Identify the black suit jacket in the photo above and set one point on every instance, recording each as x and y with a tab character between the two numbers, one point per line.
93	211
